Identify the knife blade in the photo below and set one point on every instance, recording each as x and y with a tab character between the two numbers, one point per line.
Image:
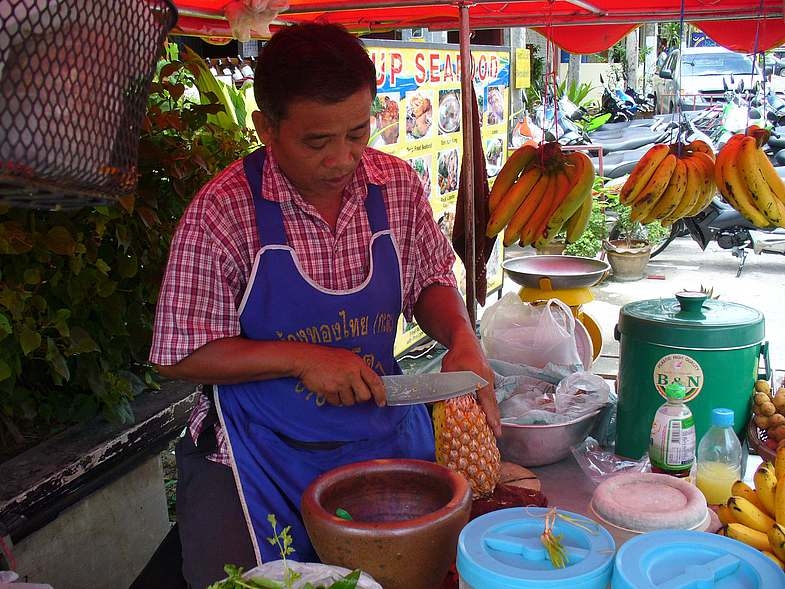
410	389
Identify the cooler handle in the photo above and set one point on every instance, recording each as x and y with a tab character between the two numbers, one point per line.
764	351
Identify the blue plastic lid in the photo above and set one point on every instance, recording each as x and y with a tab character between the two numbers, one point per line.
722	417
683	559
502	550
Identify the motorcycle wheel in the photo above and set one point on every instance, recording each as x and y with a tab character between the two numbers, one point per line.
658	245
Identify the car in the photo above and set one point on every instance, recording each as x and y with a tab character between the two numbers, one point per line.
698	76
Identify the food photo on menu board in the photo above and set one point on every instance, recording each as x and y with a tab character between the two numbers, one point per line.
449	111
419	115
422	165
494	148
495	105
448	170
385	120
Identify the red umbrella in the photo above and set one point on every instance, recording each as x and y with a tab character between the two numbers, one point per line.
610	20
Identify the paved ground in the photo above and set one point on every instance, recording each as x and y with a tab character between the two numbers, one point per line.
684	266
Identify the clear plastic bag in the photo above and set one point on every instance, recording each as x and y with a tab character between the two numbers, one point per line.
530	334
314	573
540	397
599	464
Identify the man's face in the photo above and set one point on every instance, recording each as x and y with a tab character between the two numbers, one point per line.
318	146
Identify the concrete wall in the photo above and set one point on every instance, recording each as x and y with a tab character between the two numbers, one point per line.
104	541
589	72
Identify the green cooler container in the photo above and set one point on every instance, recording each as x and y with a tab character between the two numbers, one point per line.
712	347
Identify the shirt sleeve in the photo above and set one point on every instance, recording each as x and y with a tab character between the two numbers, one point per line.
433	254
197	301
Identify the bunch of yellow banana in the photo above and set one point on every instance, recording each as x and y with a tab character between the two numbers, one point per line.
756	516
748	181
540	192
670	182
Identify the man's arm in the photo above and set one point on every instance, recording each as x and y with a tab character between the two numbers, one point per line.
338	374
441	313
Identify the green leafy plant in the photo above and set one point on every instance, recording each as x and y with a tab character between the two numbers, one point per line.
283	540
533	93
630	230
78	288
576	93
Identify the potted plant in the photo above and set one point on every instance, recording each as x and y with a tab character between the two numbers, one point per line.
630	243
589	244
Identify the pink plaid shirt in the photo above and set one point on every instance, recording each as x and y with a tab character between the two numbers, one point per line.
213	250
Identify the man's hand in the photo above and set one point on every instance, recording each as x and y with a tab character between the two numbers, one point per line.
466	354
340	376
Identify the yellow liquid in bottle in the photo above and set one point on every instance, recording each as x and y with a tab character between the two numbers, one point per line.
714	479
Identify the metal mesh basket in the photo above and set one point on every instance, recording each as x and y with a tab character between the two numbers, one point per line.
74	81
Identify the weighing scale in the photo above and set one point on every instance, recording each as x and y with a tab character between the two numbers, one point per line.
567	278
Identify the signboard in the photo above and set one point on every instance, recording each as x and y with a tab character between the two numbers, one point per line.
417	117
523	72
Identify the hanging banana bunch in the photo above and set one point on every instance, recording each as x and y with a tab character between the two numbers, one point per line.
540	192
670	182
748	181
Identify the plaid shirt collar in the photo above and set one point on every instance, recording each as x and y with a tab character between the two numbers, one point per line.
278	188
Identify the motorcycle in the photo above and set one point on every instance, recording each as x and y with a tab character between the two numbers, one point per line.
621	105
721	223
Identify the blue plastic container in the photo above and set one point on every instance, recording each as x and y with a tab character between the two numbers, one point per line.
684	559
502	550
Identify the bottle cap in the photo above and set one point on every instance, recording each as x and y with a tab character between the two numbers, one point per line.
722	417
675	391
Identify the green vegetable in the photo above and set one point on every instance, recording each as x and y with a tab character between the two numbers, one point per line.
235	580
343	514
283	540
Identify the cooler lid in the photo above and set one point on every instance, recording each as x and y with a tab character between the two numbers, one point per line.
692	320
684	559
502	550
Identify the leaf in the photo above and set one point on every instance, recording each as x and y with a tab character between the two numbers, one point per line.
6	328
127	202
348	582
148	216
127	266
29	340
81	342
60	241
14	238
169	69
102	266
56	359
32	276
60	322
5	370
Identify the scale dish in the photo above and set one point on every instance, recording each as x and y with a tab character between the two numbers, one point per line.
563	272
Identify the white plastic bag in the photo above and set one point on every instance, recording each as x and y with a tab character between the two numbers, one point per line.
311	572
529	334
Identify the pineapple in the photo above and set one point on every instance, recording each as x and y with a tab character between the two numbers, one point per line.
465	443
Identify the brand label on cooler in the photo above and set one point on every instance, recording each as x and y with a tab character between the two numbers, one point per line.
672	443
678	368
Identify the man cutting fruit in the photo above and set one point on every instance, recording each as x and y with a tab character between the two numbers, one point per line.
286	278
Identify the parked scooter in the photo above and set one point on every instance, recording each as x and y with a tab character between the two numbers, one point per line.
621	105
723	224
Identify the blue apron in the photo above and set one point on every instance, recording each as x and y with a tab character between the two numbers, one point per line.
280	435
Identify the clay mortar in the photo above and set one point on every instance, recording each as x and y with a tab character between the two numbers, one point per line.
406	518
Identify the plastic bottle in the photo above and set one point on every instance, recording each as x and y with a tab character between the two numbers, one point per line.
719	458
672	440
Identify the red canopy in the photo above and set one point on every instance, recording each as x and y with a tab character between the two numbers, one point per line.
742	25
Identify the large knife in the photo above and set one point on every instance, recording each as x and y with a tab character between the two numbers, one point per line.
410	389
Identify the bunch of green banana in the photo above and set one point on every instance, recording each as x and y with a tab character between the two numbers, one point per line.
670	182
756	516
539	193
748	181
